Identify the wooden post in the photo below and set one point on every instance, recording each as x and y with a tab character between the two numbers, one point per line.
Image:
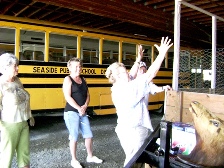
176	45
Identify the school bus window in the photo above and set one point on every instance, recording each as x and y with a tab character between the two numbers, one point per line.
32	55
62	47
32	45
90	56
7	40
147	54
55	54
129	53
110	51
90	50
7	48
170	59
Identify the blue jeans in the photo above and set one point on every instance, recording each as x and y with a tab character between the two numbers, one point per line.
75	123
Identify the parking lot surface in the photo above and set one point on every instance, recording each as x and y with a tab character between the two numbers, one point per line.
49	143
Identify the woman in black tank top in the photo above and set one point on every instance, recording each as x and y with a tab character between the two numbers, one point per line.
77	98
78	93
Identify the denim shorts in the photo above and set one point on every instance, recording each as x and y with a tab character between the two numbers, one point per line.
75	123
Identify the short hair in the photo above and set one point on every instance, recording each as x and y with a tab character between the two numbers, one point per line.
74	59
112	71
7	59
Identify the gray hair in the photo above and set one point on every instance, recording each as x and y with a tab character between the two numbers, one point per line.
7	59
74	59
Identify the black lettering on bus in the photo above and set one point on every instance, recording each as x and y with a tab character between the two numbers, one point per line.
62	70
42	70
51	70
47	70
103	71
94	72
89	71
34	69
38	69
84	71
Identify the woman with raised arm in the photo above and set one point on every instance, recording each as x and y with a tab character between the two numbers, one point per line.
128	98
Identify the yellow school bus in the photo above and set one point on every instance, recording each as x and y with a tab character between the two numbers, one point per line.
43	50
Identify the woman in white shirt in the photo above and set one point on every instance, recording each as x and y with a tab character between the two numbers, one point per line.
15	111
128	98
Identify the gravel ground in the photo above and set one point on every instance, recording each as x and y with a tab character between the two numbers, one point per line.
49	143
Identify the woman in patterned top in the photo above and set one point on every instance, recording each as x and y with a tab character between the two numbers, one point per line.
15	111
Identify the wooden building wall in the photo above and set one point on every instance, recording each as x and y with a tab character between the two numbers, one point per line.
177	105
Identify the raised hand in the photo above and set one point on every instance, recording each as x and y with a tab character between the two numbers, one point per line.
164	46
140	53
